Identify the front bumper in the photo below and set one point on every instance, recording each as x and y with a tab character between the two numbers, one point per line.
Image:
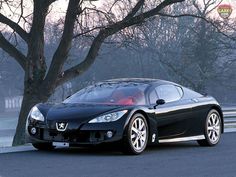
95	133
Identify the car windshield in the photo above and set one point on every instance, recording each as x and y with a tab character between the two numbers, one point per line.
111	94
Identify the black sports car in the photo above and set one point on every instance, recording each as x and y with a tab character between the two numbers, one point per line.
132	112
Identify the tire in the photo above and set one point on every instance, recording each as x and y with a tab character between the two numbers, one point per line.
43	146
212	130
136	137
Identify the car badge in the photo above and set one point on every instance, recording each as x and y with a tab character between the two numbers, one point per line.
61	126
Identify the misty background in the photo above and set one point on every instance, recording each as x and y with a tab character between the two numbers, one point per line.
185	50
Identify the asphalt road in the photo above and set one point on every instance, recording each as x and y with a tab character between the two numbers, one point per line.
172	160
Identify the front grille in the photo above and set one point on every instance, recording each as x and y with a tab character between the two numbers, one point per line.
73	136
69	136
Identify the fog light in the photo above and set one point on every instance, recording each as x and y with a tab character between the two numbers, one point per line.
33	131
109	134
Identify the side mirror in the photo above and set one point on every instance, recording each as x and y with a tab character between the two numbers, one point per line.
159	102
68	96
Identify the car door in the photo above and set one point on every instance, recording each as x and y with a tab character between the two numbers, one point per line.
173	116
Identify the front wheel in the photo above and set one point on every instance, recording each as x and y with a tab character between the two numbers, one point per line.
43	146
136	138
213	127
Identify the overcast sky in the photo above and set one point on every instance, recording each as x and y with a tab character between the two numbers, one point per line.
59	7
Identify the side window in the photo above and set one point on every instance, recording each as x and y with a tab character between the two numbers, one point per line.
153	97
169	93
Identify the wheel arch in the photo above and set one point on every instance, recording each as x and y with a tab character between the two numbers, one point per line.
152	127
132	113
144	114
219	110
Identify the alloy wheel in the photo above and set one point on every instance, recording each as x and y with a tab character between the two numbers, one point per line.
214	128
138	134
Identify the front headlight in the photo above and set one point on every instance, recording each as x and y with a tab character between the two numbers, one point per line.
36	114
109	117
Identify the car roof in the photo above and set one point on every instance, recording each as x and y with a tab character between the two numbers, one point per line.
148	81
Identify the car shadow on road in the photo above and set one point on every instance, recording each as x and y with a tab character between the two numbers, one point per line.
115	150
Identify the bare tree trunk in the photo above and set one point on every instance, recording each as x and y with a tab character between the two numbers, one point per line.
41	82
19	137
30	99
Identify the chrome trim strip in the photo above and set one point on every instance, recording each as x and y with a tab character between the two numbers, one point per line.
190	138
173	107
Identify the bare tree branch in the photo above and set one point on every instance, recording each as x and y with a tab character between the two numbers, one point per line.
197	7
113	4
88	31
136	8
63	49
178	72
12	51
23	34
200	17
49	2
83	66
108	31
215	6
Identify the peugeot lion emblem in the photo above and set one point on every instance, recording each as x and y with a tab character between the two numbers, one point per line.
61	126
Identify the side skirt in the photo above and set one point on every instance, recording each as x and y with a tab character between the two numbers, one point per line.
190	138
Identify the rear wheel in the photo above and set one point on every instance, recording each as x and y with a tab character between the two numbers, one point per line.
213	127
43	146
136	137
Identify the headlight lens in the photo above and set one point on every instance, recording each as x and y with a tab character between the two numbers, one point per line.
36	114
109	117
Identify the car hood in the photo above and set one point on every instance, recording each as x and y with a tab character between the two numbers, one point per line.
68	111
73	114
